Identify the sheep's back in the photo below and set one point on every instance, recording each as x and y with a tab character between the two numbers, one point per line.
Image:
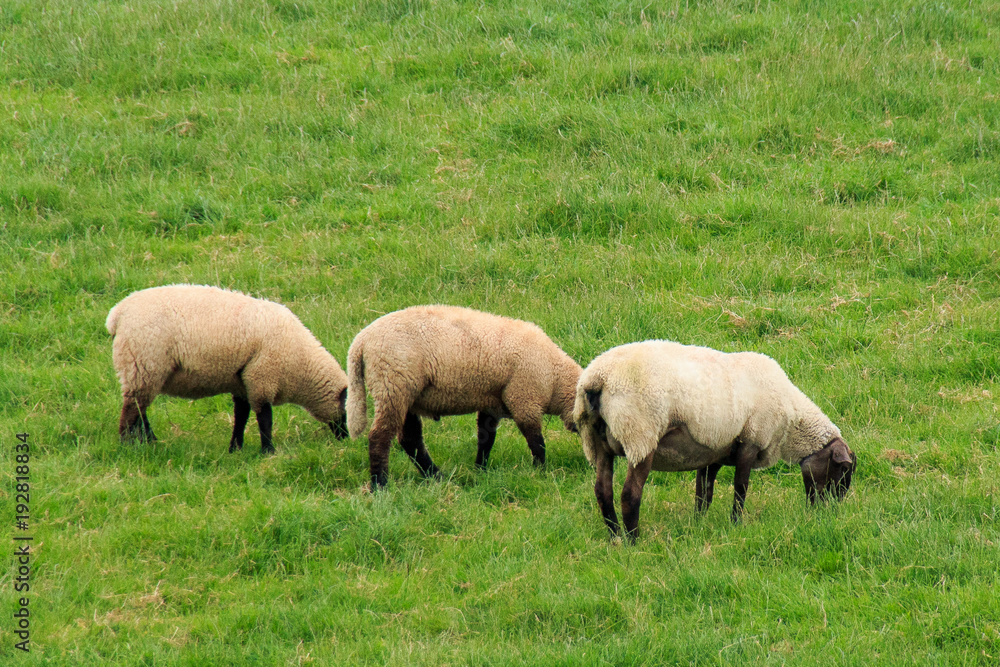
205	335
672	384
456	352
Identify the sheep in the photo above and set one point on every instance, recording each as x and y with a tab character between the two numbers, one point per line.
431	361
667	406
194	341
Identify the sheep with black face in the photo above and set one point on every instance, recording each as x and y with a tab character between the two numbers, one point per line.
673	407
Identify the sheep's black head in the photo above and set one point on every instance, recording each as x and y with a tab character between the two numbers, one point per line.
339	425
828	471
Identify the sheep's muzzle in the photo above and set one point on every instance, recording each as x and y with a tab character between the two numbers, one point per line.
339	427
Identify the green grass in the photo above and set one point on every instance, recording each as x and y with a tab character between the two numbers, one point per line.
818	181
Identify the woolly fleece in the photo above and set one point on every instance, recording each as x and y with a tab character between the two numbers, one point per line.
651	387
194	341
446	360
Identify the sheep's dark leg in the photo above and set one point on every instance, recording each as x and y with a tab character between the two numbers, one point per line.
705	487
635	480
264	423
486	435
147	429
378	458
241	413
536	443
745	457
129	426
412	442
384	429
134	424
604	463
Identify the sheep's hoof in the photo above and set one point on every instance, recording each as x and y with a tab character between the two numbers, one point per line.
267	451
137	436
429	471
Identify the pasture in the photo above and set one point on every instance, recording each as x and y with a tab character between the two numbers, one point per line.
817	181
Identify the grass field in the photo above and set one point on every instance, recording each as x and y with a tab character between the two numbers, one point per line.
818	181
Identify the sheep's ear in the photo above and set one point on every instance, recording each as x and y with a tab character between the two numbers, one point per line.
841	453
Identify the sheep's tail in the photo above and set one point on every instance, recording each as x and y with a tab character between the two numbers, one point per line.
588	397
587	414
357	401
111	324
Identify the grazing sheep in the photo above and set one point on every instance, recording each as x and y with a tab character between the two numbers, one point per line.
667	406
441	360
194	341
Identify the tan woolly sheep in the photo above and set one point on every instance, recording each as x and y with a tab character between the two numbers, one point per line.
432	361
194	341
667	406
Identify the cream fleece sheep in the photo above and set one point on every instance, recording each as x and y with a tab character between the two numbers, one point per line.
194	341
442	360
667	406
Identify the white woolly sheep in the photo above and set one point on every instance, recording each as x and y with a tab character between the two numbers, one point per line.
667	406
432	361
194	341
